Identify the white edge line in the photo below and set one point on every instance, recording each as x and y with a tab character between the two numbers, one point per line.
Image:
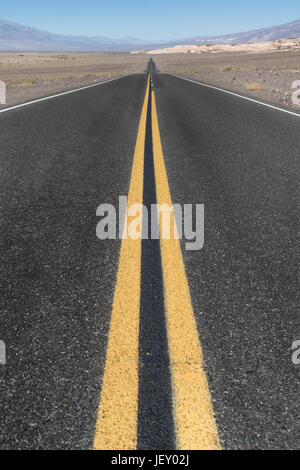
236	94
22	105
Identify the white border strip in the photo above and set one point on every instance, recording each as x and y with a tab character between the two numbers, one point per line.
22	105
239	96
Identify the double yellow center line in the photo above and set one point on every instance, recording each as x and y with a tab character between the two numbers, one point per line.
118	410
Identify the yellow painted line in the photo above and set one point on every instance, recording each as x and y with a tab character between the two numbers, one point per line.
194	416
116	427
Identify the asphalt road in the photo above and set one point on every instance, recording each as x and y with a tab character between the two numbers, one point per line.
59	160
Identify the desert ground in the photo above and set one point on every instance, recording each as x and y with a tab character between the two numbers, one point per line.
266	75
33	75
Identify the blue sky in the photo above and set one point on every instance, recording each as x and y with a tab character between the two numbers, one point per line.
152	19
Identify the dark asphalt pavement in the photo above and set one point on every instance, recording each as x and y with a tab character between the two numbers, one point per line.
59	160
241	160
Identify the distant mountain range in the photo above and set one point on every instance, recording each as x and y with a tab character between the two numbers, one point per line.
16	37
272	33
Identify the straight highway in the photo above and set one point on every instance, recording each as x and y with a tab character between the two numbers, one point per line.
142	344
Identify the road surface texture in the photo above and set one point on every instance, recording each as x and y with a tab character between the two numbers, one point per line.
143	343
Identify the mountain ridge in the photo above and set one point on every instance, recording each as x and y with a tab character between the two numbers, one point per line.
270	33
15	37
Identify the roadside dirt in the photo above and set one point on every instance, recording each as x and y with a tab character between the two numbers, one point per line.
31	75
